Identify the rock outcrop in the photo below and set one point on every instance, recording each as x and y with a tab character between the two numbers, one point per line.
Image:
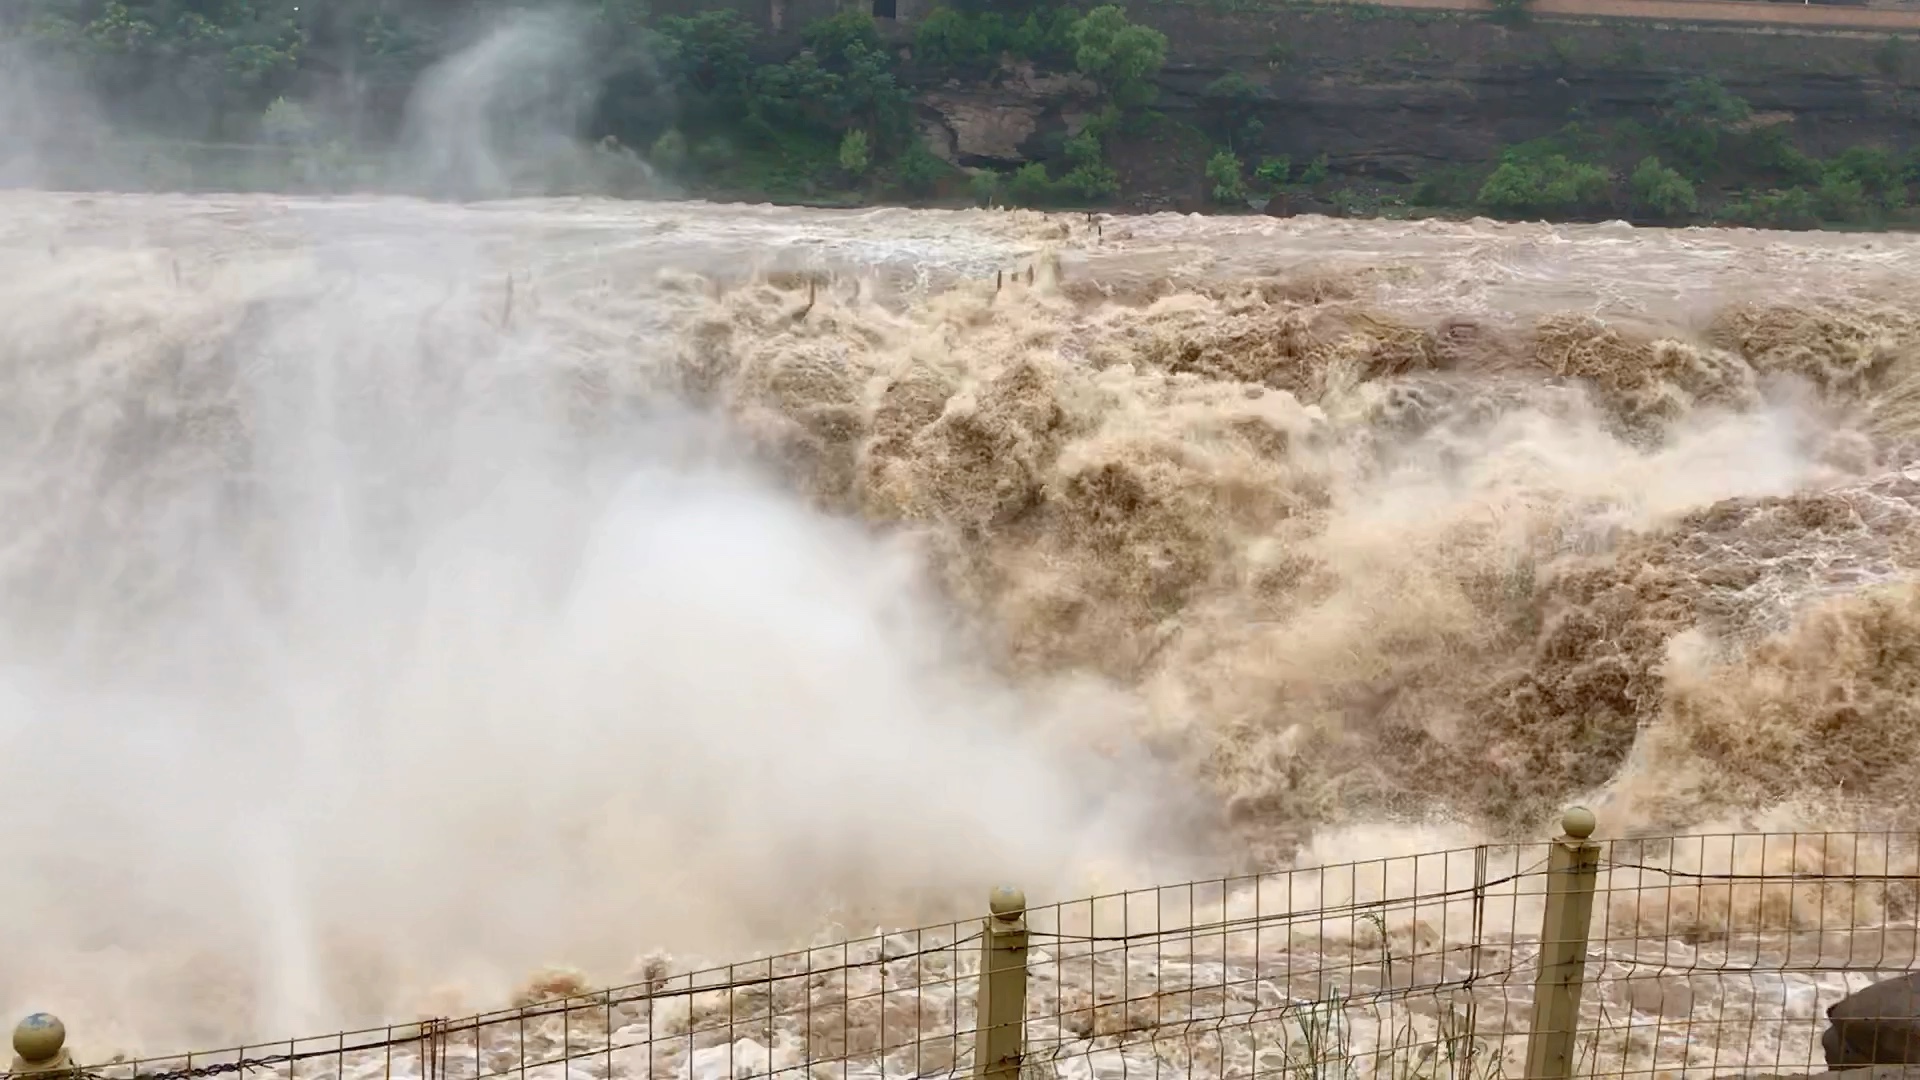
1877	1026
993	124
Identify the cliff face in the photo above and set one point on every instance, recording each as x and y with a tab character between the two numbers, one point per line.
1390	94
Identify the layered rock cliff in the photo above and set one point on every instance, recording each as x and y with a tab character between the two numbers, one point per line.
1391	94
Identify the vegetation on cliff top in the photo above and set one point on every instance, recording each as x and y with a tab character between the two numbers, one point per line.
709	105
1701	157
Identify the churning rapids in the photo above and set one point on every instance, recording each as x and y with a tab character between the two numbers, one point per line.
399	596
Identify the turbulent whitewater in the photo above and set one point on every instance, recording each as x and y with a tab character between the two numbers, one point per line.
397	597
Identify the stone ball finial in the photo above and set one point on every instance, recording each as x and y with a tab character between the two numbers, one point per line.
1578	822
1007	901
39	1037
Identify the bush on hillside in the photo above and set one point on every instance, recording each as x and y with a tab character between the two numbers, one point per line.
1223	173
1661	193
1547	186
1120	55
1790	208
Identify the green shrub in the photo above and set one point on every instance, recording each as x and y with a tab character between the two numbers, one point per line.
1231	87
1660	192
1448	186
1223	172
1877	170
1841	197
949	39
919	169
1274	171
1231	103
1890	59
1550	186
1316	171
1121	56
855	153
1084	183
847	34
1090	183
669	151
1029	186
1084	149
1697	115
1768	152
1790	208
707	58
286	122
1511	12
985	187
1045	36
1703	101
713	154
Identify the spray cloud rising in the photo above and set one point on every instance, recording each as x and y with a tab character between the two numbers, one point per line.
400	596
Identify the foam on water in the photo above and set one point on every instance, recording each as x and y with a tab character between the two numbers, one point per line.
395	597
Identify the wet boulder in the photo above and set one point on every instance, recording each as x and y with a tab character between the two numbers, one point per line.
1877	1026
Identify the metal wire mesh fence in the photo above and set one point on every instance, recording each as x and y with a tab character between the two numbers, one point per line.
1693	955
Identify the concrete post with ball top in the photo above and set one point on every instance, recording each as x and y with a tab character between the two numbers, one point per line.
1573	867
40	1046
1000	1012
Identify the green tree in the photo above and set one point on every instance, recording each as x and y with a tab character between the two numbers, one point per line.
1697	115
1841	197
985	187
1876	170
1090	182
709	55
669	152
1703	100
837	39
1791	208
1121	56
1045	36
285	122
1660	192
855	154
1224	174
949	39
1766	152
191	67
919	169
621	37
1232	102
1552	185
1029	185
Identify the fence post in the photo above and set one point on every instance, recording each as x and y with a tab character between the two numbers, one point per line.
1000	1011
40	1046
1573	864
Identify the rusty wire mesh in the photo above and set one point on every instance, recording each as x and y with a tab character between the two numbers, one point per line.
1401	967
1717	954
1705	955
